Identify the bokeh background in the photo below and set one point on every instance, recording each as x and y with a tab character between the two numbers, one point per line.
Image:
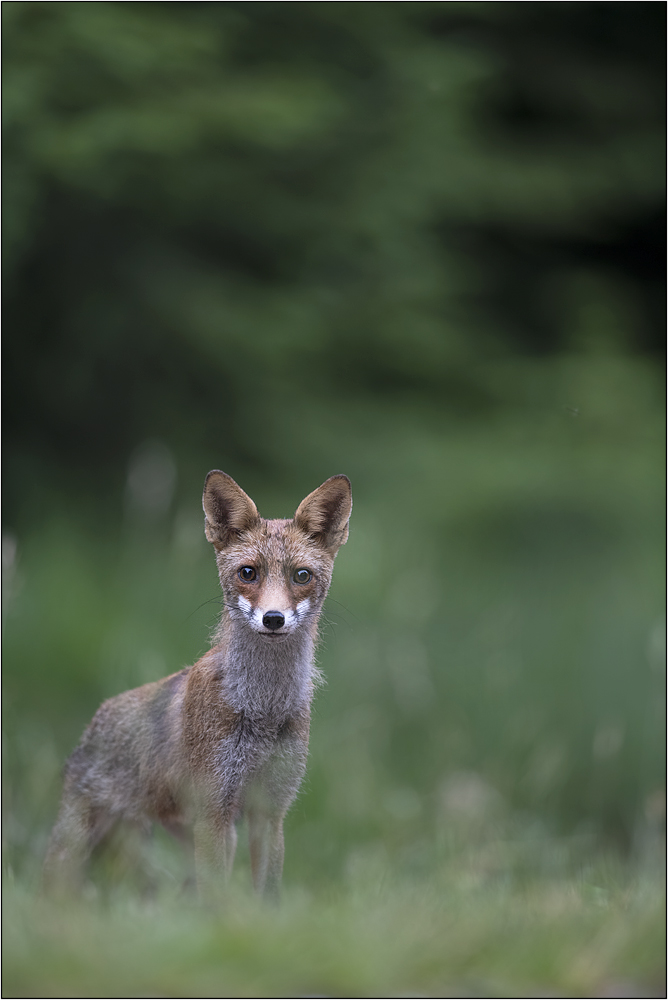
418	243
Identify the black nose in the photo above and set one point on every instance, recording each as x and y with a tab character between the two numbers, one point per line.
273	620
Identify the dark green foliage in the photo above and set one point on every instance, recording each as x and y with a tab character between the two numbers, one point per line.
244	203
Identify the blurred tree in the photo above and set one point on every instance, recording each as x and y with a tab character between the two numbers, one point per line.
215	210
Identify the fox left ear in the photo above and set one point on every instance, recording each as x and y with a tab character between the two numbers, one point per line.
324	513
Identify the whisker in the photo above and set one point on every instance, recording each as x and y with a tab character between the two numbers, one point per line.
211	600
327	623
332	600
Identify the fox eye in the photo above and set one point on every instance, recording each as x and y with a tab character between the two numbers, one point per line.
247	573
301	576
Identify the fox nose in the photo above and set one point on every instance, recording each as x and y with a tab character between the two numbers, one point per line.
273	620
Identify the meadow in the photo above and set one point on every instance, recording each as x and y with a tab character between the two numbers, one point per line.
475	927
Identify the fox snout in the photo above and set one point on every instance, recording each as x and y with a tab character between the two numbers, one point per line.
273	621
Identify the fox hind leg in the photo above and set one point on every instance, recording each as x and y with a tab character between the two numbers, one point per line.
79	828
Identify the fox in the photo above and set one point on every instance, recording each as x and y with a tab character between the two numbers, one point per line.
227	738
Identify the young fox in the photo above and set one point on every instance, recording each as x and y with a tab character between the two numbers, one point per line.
229	736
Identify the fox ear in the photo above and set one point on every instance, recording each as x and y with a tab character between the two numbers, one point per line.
228	510
324	513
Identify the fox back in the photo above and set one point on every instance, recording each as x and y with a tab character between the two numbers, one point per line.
227	737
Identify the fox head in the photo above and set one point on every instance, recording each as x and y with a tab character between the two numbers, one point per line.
275	574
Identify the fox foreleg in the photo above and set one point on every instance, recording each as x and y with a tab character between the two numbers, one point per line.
265	836
215	840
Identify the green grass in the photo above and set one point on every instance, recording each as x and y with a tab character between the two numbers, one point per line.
476	926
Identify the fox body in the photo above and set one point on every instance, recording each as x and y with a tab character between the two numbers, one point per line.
227	737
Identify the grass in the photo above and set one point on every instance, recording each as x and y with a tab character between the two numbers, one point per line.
471	928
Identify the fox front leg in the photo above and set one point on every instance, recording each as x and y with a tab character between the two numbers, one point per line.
215	844
265	836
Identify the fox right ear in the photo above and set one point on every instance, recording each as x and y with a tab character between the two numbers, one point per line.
228	510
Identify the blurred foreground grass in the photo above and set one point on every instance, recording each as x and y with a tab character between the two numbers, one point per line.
466	931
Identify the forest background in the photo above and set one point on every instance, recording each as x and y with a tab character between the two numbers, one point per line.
418	243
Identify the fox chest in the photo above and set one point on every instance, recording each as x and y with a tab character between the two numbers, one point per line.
252	762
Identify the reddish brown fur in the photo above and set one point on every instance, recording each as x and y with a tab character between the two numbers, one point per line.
228	736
